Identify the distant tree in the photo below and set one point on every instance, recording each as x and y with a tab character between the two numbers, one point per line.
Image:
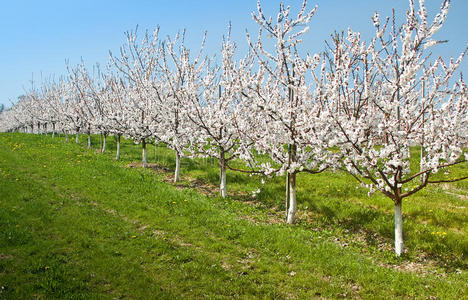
137	65
176	65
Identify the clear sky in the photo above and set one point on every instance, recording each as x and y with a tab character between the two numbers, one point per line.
38	36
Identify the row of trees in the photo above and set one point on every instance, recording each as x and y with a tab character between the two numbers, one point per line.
359	106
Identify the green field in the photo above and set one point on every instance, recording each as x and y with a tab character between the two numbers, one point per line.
74	223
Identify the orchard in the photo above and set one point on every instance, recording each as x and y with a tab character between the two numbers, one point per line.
361	106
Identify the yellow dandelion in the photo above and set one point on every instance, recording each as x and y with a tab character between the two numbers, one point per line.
133	236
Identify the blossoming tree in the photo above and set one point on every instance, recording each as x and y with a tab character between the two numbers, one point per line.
288	125
387	95
137	64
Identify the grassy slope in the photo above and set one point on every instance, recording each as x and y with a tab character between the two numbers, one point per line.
76	224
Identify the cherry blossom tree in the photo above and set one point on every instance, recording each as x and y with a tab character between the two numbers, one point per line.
84	103
116	107
19	117
7	120
287	118
137	64
22	114
389	94
175	66
213	108
52	96
99	89
72	111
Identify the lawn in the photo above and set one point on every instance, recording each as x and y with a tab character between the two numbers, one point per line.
74	223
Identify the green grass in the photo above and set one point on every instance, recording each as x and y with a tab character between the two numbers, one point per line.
76	224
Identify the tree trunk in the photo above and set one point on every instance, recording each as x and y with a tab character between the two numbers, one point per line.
100	141
422	139
53	130
144	162
66	135
291	205
288	195
45	128
222	172
292	199
398	228
77	137
89	140
104	136
177	167
117	156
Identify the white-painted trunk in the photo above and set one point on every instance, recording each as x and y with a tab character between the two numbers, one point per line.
177	167
104	143
117	156
292	199
53	130
398	229
100	142
222	173
144	161
77	137
66	136
89	140
222	184
286	203
422	177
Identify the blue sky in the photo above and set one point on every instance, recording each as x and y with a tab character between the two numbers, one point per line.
37	36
